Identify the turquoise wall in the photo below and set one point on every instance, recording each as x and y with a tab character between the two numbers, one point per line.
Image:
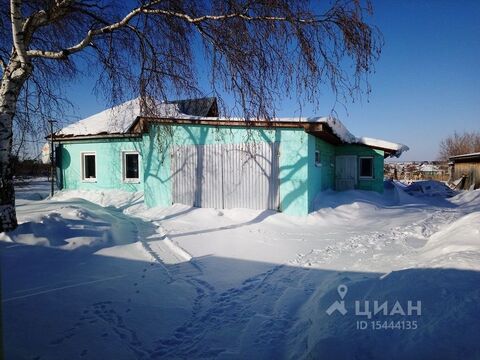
314	172
375	184
293	160
108	164
320	176
300	178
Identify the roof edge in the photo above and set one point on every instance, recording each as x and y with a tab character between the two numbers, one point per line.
465	156
57	138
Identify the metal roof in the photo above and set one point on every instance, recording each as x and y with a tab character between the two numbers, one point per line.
470	156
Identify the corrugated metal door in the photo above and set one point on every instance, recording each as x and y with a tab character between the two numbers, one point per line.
184	168
226	175
209	190
345	172
251	176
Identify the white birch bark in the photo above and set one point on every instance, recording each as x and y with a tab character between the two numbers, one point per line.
13	78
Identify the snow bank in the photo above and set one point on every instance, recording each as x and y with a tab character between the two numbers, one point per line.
68	228
115	198
455	246
467	199
177	282
429	188
394	194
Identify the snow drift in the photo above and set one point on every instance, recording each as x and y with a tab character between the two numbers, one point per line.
181	282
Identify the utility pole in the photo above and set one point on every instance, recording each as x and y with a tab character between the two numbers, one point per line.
52	159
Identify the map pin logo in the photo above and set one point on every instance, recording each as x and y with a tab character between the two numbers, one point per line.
342	291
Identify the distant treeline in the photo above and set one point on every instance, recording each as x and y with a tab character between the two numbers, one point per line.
30	168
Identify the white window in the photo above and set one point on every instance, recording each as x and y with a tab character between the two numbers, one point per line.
131	166
366	167
318	159
89	166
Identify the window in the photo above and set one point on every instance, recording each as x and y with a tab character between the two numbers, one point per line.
131	168
89	167
318	160
366	167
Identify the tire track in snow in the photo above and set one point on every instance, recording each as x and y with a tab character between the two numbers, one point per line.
64	288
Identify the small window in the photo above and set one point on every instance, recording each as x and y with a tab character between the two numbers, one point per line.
366	167
89	167
318	160
131	169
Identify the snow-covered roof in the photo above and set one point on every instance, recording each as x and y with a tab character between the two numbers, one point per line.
395	149
116	120
121	118
336	125
428	168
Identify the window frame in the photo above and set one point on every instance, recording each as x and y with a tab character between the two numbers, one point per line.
82	156
319	162
124	167
360	168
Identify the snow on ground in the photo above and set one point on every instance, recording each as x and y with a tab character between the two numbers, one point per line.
94	275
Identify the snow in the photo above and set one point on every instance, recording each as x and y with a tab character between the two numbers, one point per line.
398	149
346	136
343	133
98	275
429	188
458	241
429	168
116	120
119	119
45	156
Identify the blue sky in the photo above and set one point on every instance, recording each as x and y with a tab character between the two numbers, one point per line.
425	87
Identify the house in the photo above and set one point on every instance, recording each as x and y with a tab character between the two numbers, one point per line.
467	168
429	170
185	153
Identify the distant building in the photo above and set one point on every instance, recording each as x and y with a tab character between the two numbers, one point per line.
429	169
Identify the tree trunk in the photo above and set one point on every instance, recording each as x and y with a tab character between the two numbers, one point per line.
13	79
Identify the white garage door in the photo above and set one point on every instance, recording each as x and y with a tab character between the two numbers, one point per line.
226	176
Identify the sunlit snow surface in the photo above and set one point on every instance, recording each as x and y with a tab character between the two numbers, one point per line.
92	275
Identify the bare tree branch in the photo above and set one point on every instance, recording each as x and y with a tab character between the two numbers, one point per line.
87	39
256	50
458	144
62	54
243	16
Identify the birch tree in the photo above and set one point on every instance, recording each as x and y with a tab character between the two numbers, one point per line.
252	49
